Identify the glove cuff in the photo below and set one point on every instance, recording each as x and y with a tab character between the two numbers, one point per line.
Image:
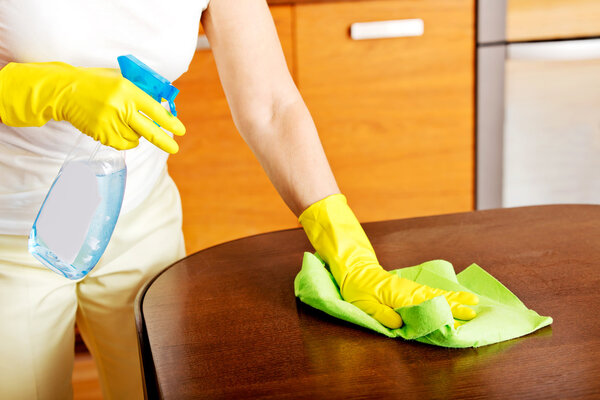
337	236
5	89
29	92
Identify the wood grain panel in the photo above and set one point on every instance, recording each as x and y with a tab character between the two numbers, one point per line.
552	19
225	193
395	115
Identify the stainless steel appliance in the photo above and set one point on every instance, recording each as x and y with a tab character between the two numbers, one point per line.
538	117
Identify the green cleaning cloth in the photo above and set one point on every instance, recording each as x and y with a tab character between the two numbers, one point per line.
500	314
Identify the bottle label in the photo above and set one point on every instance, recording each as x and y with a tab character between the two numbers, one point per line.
65	218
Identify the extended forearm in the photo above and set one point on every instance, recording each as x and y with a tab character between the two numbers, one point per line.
288	148
264	101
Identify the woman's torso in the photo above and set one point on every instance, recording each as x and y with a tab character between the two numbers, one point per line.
90	33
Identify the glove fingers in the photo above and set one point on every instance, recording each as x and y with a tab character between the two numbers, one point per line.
148	129
462	312
462	298
458	302
384	314
400	292
158	113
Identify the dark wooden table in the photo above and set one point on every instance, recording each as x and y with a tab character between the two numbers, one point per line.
224	322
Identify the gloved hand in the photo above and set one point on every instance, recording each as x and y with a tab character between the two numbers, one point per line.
97	101
338	238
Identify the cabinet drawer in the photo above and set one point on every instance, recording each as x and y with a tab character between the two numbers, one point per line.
396	115
225	193
552	19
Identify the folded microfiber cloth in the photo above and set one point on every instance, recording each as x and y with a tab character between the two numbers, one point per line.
500	314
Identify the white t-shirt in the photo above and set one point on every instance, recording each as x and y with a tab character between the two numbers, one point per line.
91	33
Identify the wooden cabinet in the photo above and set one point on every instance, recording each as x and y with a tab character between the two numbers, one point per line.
395	117
552	19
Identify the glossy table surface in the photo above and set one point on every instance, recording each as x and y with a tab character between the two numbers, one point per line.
224	322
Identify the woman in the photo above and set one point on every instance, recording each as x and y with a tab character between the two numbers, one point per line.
54	85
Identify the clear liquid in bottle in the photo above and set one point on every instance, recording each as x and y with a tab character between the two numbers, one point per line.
79	214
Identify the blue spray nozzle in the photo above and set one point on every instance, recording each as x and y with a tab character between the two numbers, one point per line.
148	80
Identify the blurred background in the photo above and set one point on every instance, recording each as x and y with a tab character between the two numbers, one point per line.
538	93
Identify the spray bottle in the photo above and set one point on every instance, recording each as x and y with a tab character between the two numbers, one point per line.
80	211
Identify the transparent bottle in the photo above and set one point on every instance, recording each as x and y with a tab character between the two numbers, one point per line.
78	216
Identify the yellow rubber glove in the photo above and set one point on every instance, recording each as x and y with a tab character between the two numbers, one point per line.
97	101
338	238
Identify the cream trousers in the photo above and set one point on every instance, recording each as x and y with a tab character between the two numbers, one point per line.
39	308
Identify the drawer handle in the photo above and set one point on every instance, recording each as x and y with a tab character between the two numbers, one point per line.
387	29
568	50
202	43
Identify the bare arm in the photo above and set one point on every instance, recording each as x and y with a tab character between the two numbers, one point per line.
265	103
